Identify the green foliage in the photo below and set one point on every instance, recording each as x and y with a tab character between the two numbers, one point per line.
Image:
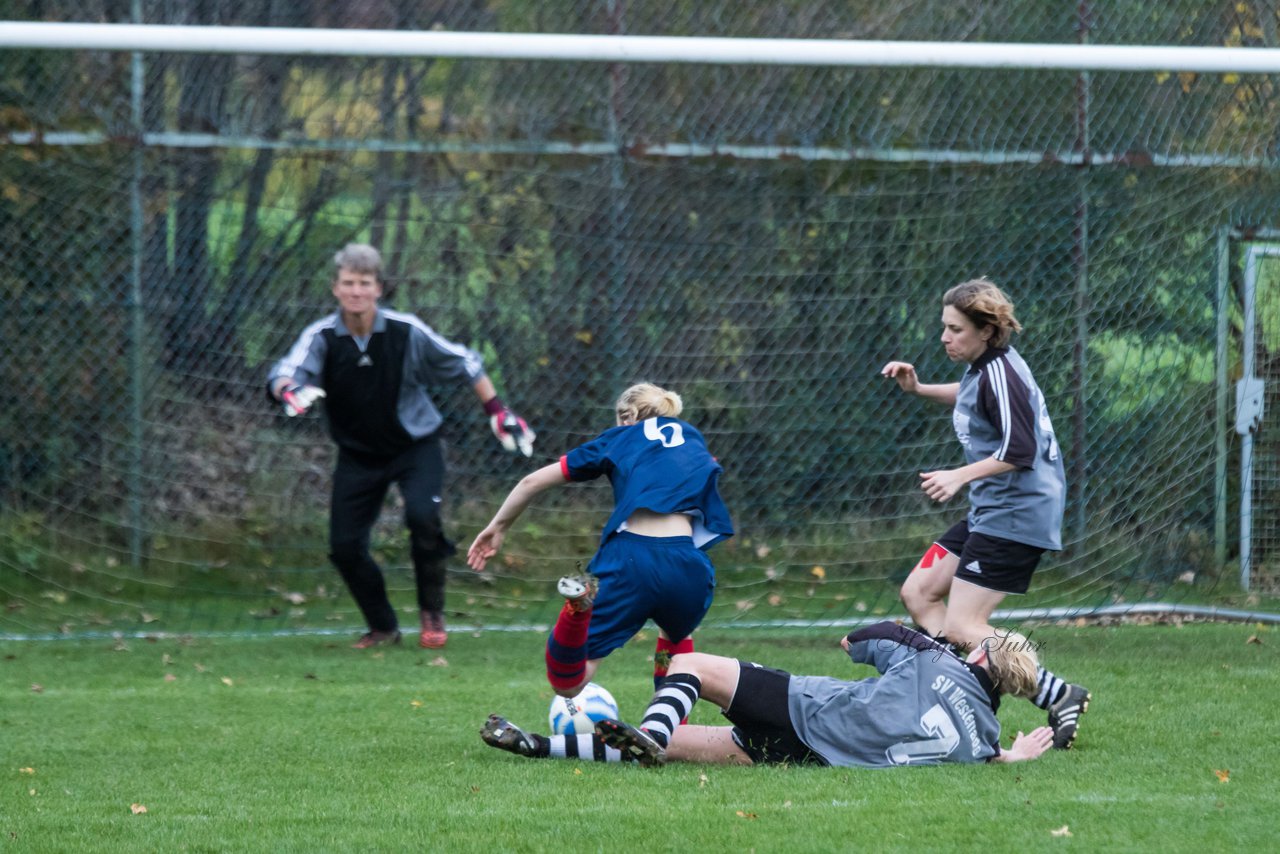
768	290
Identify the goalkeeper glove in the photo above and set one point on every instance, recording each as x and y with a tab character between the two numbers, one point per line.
512	431
297	399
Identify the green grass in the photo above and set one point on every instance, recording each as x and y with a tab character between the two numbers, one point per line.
301	744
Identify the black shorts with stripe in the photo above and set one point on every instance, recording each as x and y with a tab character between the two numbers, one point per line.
991	562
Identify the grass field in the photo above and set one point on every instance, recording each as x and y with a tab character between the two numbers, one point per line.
301	744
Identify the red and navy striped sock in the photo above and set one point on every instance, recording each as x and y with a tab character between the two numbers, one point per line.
567	648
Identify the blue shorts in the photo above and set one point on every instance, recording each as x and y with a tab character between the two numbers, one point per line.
666	579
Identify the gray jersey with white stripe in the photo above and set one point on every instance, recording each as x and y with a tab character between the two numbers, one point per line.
1000	412
926	706
430	359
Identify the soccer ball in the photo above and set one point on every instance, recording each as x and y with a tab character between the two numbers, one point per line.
578	715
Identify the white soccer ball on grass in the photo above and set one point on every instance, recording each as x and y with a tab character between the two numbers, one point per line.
578	715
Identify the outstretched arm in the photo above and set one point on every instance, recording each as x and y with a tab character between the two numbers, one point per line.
904	373
1027	746
884	644
489	541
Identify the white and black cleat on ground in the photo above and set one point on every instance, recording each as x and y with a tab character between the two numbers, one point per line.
636	743
503	734
1064	715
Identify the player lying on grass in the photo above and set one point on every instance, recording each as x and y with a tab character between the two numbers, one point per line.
652	561
926	706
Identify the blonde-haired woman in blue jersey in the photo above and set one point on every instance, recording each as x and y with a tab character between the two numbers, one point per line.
651	563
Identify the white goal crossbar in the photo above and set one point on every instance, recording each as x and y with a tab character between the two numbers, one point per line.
666	49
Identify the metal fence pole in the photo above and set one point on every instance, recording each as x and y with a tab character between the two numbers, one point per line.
136	362
1221	392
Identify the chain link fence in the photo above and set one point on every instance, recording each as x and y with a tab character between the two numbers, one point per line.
760	239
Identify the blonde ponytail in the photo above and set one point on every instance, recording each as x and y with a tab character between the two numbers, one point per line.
645	400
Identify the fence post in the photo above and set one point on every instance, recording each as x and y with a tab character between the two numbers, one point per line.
136	326
1080	257
1221	391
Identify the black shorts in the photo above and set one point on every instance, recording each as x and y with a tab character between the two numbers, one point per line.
761	720
991	562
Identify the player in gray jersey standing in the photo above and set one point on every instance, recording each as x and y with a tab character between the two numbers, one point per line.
376	369
1017	488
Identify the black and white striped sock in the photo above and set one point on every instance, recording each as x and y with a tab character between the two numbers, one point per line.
670	705
583	747
1051	688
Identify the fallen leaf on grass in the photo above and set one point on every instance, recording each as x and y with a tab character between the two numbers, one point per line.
438	661
226	680
27	770
747	815
1254	639
577	771
1061	831
417	704
1223	775
137	809
37	688
818	573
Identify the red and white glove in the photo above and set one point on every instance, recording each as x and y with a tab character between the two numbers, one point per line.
512	431
297	399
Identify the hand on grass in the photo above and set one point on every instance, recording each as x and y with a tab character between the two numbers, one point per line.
1029	746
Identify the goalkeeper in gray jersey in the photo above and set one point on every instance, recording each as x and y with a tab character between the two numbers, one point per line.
1017	489
927	706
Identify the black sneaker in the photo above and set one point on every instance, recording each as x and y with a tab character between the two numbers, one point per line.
372	639
1064	715
578	590
503	734
636	743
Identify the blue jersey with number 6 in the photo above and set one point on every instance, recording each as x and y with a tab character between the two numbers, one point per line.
660	464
